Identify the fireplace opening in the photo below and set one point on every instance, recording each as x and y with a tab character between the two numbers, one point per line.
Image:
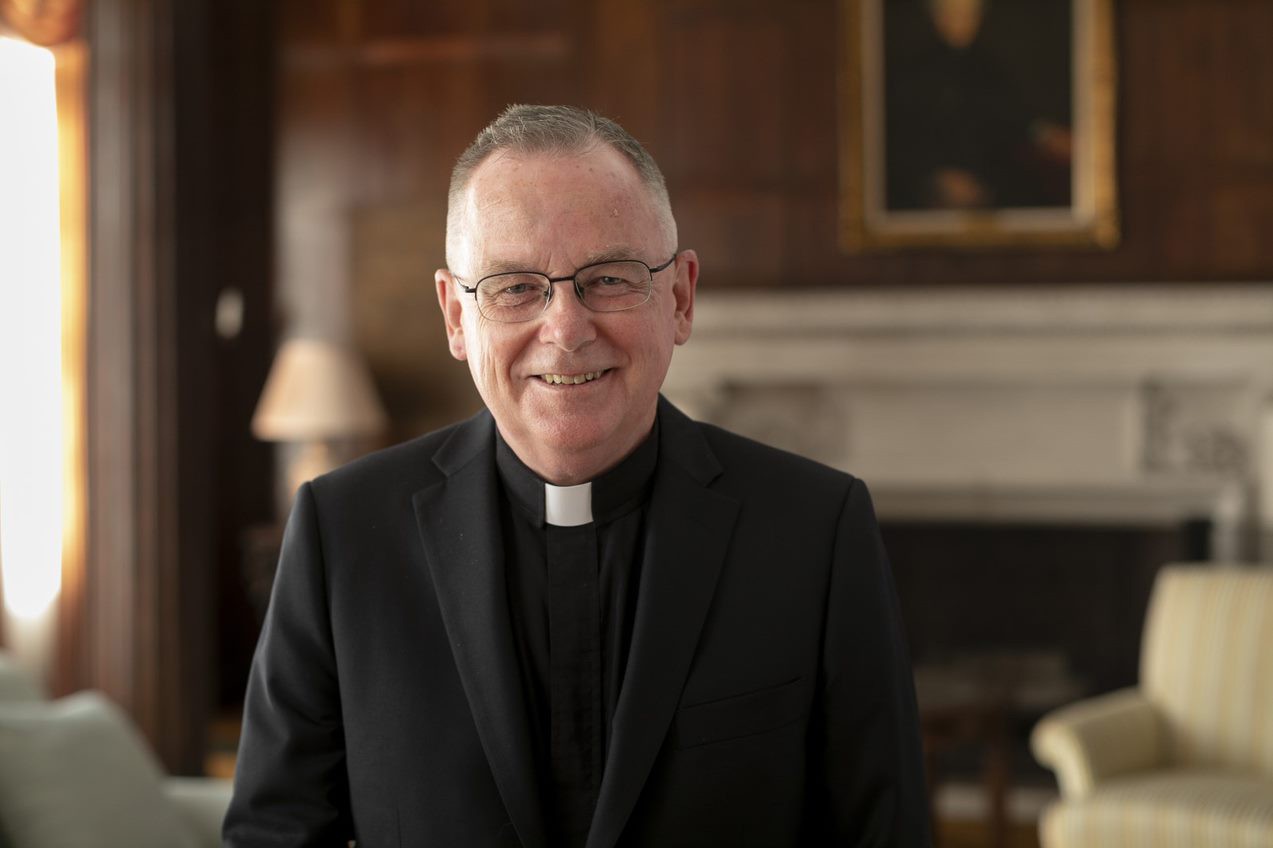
1005	622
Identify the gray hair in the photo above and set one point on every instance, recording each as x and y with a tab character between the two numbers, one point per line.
552	129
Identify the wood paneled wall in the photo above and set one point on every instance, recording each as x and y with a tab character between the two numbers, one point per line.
179	97
139	635
737	100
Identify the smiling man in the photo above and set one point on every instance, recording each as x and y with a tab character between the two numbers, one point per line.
572	379
579	618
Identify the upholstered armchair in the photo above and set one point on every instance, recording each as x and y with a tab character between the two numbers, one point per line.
1186	758
76	772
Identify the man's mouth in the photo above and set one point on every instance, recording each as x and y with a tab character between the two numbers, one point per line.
572	379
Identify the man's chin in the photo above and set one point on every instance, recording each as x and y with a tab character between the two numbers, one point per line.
568	438
569	443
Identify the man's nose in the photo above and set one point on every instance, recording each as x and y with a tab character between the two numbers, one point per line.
566	322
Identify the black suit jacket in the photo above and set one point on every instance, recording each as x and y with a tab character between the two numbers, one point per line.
767	699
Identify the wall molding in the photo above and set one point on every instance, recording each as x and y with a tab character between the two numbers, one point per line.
1087	404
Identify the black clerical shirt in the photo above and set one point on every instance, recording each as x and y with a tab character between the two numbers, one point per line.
589	574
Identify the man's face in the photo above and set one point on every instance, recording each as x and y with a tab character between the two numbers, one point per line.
957	21
555	214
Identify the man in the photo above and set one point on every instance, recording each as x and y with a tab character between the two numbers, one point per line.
579	618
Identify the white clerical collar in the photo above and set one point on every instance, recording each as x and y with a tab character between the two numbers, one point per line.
568	506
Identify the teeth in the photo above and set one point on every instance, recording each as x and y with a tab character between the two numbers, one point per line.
571	379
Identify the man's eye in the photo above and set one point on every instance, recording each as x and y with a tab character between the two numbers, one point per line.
608	281
514	288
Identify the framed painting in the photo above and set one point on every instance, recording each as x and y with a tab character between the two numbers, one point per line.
977	123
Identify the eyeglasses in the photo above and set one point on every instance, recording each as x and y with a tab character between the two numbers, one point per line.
604	287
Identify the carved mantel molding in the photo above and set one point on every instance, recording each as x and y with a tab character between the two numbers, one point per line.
1079	404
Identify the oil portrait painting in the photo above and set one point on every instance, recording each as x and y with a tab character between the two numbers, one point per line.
977	123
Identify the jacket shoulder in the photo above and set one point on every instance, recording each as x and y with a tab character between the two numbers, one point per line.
406	466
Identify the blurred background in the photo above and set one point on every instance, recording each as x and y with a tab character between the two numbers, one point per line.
230	191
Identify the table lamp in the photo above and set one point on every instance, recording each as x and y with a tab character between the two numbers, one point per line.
317	392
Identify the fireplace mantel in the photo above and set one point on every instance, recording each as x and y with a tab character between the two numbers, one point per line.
1132	404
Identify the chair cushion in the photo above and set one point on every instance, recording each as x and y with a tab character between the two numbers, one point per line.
75	772
1167	809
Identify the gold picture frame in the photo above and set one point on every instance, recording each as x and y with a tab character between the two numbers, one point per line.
960	129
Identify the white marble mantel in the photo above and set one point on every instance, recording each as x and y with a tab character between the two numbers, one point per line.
1125	404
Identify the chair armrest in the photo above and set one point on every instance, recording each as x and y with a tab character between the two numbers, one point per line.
201	802
1093	740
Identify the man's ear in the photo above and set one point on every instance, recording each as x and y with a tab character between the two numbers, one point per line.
683	289
452	310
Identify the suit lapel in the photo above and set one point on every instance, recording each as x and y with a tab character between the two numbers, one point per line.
687	536
464	549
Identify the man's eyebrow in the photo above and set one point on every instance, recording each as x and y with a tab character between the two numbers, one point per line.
611	254
608	254
504	266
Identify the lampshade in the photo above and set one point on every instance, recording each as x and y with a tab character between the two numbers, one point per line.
317	390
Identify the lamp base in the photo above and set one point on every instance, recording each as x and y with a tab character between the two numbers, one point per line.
314	459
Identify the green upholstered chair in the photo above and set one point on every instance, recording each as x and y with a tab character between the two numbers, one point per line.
76	772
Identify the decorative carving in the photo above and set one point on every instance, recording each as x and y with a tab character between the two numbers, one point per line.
1194	429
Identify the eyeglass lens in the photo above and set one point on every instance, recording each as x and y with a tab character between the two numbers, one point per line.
608	287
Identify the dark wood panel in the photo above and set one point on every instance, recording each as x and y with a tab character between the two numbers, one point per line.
729	109
180	210
624	75
237	219
391	19
738	101
316	22
145	637
1194	176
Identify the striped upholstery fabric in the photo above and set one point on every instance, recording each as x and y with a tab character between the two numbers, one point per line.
1207	685
1167	809
1207	665
1098	738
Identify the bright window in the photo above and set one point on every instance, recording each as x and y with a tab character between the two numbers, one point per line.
31	464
